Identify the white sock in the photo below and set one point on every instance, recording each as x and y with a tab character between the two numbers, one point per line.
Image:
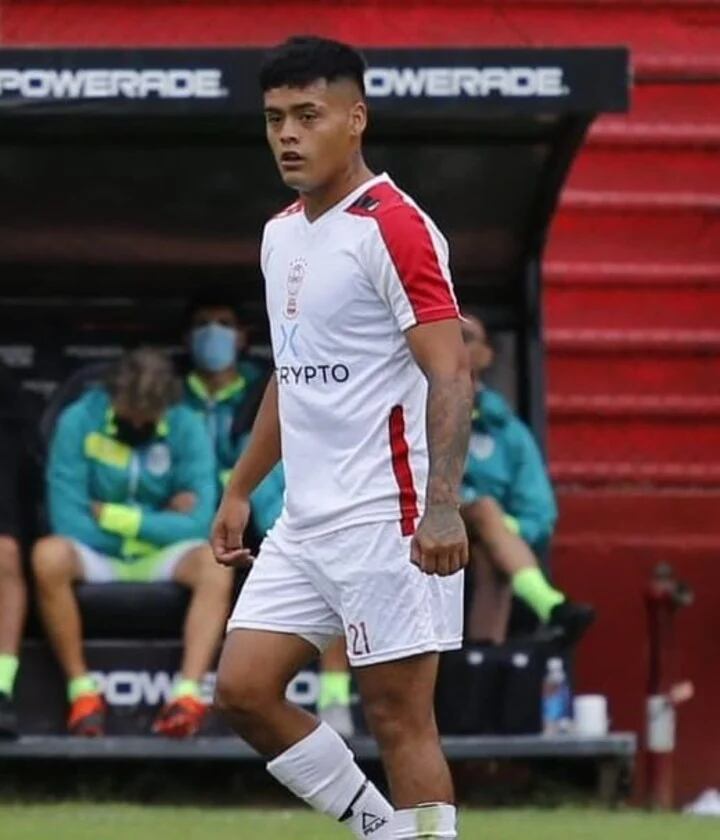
322	771
425	822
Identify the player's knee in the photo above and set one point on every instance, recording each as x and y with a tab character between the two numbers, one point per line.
9	559
52	560
212	574
207	573
394	718
484	515
242	699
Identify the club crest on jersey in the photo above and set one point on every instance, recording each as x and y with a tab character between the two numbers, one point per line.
295	279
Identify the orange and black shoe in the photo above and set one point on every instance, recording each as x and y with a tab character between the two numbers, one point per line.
180	718
87	716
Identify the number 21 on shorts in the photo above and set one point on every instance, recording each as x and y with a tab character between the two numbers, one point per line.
358	638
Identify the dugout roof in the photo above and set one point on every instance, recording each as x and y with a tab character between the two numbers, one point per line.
145	172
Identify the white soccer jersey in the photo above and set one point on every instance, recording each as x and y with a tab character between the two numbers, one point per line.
340	293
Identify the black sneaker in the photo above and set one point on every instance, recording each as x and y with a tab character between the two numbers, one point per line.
570	621
8	718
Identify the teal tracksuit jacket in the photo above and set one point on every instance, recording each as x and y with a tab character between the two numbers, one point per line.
229	438
88	463
504	462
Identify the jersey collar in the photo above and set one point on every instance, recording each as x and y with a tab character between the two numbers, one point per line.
345	202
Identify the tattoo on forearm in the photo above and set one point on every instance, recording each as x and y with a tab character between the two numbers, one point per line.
449	410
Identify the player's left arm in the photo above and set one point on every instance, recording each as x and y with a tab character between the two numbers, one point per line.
440	542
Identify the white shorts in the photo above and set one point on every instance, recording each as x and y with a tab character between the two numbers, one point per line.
160	566
358	583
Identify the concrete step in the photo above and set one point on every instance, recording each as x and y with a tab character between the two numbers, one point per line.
630	516
640	170
635	236
584	296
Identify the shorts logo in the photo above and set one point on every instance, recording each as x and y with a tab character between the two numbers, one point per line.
294	282
371	823
157	459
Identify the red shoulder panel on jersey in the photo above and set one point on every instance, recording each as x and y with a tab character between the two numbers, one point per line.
403	474
295	207
411	249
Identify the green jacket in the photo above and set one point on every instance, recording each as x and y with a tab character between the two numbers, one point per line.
88	463
504	462
228	416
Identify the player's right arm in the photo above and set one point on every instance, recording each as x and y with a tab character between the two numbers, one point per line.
258	458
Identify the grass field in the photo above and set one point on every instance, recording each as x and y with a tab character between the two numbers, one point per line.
82	821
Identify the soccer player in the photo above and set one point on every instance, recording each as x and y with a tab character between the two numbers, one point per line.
370	407
510	511
225	387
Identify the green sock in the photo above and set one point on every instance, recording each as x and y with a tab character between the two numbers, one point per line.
81	685
334	689
186	688
531	585
8	669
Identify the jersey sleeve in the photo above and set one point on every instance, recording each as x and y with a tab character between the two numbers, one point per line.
408	263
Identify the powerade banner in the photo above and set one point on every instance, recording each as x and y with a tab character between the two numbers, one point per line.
224	82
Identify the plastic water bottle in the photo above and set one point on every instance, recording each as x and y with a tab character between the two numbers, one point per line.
555	699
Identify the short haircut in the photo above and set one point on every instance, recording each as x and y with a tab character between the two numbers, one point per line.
302	60
144	380
212	298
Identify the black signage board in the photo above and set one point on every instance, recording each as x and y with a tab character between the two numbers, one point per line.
400	82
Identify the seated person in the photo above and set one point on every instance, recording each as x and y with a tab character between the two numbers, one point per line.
131	495
13	596
510	512
226	388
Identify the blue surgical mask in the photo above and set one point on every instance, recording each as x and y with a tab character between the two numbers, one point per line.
214	347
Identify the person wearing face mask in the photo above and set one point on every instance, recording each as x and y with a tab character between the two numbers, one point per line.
509	510
225	387
131	493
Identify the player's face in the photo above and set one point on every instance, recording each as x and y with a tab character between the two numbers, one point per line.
314	131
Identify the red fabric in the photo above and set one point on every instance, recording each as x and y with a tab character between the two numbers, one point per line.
412	251
403	473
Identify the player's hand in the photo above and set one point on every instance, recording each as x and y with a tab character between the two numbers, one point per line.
226	536
440	544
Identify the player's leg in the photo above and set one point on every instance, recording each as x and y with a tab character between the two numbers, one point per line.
193	565
280	623
57	563
306	756
13	604
398	699
334	697
491	599
514	558
397	619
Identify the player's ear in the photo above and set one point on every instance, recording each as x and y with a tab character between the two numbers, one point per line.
358	118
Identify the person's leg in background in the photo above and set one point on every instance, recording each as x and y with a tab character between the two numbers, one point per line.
398	701
334	696
57	565
307	757
491	599
211	587
13	606
512	557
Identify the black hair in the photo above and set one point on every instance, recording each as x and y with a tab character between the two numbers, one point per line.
145	380
304	59
211	298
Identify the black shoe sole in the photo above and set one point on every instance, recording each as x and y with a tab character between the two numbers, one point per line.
572	623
